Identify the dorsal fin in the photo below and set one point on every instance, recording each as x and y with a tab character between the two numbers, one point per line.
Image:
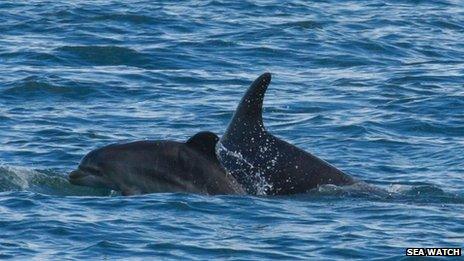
204	142
250	109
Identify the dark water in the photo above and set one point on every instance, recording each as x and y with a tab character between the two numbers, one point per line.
374	87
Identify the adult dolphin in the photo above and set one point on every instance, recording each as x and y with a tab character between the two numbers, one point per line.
265	164
157	166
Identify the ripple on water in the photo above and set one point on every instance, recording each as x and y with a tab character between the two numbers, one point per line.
37	87
103	55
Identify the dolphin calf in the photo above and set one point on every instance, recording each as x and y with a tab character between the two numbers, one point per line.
157	166
265	164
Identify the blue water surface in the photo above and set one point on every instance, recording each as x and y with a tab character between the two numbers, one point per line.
374	87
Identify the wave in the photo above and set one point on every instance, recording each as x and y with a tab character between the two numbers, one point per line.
303	24
34	86
44	182
414	194
30	57
52	182
136	19
102	55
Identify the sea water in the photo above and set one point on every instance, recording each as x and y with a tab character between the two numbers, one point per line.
376	88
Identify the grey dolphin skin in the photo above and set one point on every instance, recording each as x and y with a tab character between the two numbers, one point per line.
157	166
265	164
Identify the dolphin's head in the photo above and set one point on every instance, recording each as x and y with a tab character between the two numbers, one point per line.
92	171
132	168
155	166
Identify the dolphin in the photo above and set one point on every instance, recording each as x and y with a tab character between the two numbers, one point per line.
265	164
157	166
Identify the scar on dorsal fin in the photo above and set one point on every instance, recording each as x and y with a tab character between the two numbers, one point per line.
204	142
250	108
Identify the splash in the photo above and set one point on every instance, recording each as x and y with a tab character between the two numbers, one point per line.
245	172
50	182
14	178
408	194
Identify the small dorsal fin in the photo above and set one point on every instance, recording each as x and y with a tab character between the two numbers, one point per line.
204	142
251	105
249	112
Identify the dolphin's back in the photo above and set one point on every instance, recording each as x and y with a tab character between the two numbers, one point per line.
157	166
265	164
